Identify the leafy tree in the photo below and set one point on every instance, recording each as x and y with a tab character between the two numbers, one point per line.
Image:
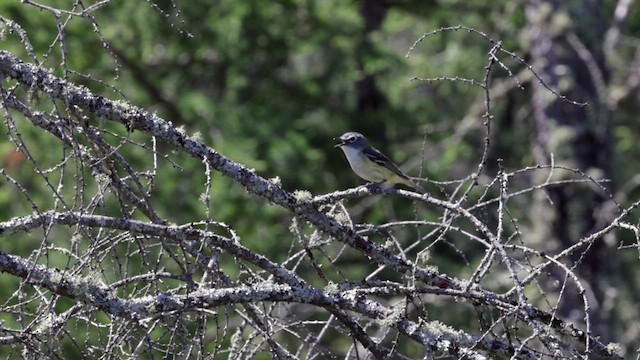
170	186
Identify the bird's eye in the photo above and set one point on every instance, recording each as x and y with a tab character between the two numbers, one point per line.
351	139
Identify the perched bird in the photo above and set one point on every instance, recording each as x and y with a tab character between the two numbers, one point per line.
369	163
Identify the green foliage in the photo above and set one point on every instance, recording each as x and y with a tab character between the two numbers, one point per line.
269	84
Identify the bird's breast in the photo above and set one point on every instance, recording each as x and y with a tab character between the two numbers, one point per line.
361	165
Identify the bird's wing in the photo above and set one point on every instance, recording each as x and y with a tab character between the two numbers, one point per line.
380	159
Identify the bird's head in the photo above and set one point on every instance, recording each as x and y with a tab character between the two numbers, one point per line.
352	139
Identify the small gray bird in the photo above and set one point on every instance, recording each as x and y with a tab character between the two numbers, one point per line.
369	163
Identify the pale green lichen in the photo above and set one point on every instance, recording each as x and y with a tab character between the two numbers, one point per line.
331	287
102	179
76	239
431	268
302	195
441	329
614	348
3	31
56	277
45	324
398	311
342	217
293	227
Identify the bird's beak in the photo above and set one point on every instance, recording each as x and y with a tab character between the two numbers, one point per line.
340	142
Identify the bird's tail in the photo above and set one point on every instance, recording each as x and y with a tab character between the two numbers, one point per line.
409	182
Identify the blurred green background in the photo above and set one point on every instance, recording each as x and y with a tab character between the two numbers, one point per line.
270	83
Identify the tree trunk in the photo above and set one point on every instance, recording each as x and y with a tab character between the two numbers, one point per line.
573	136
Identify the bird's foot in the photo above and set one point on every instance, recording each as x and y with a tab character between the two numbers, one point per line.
375	186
